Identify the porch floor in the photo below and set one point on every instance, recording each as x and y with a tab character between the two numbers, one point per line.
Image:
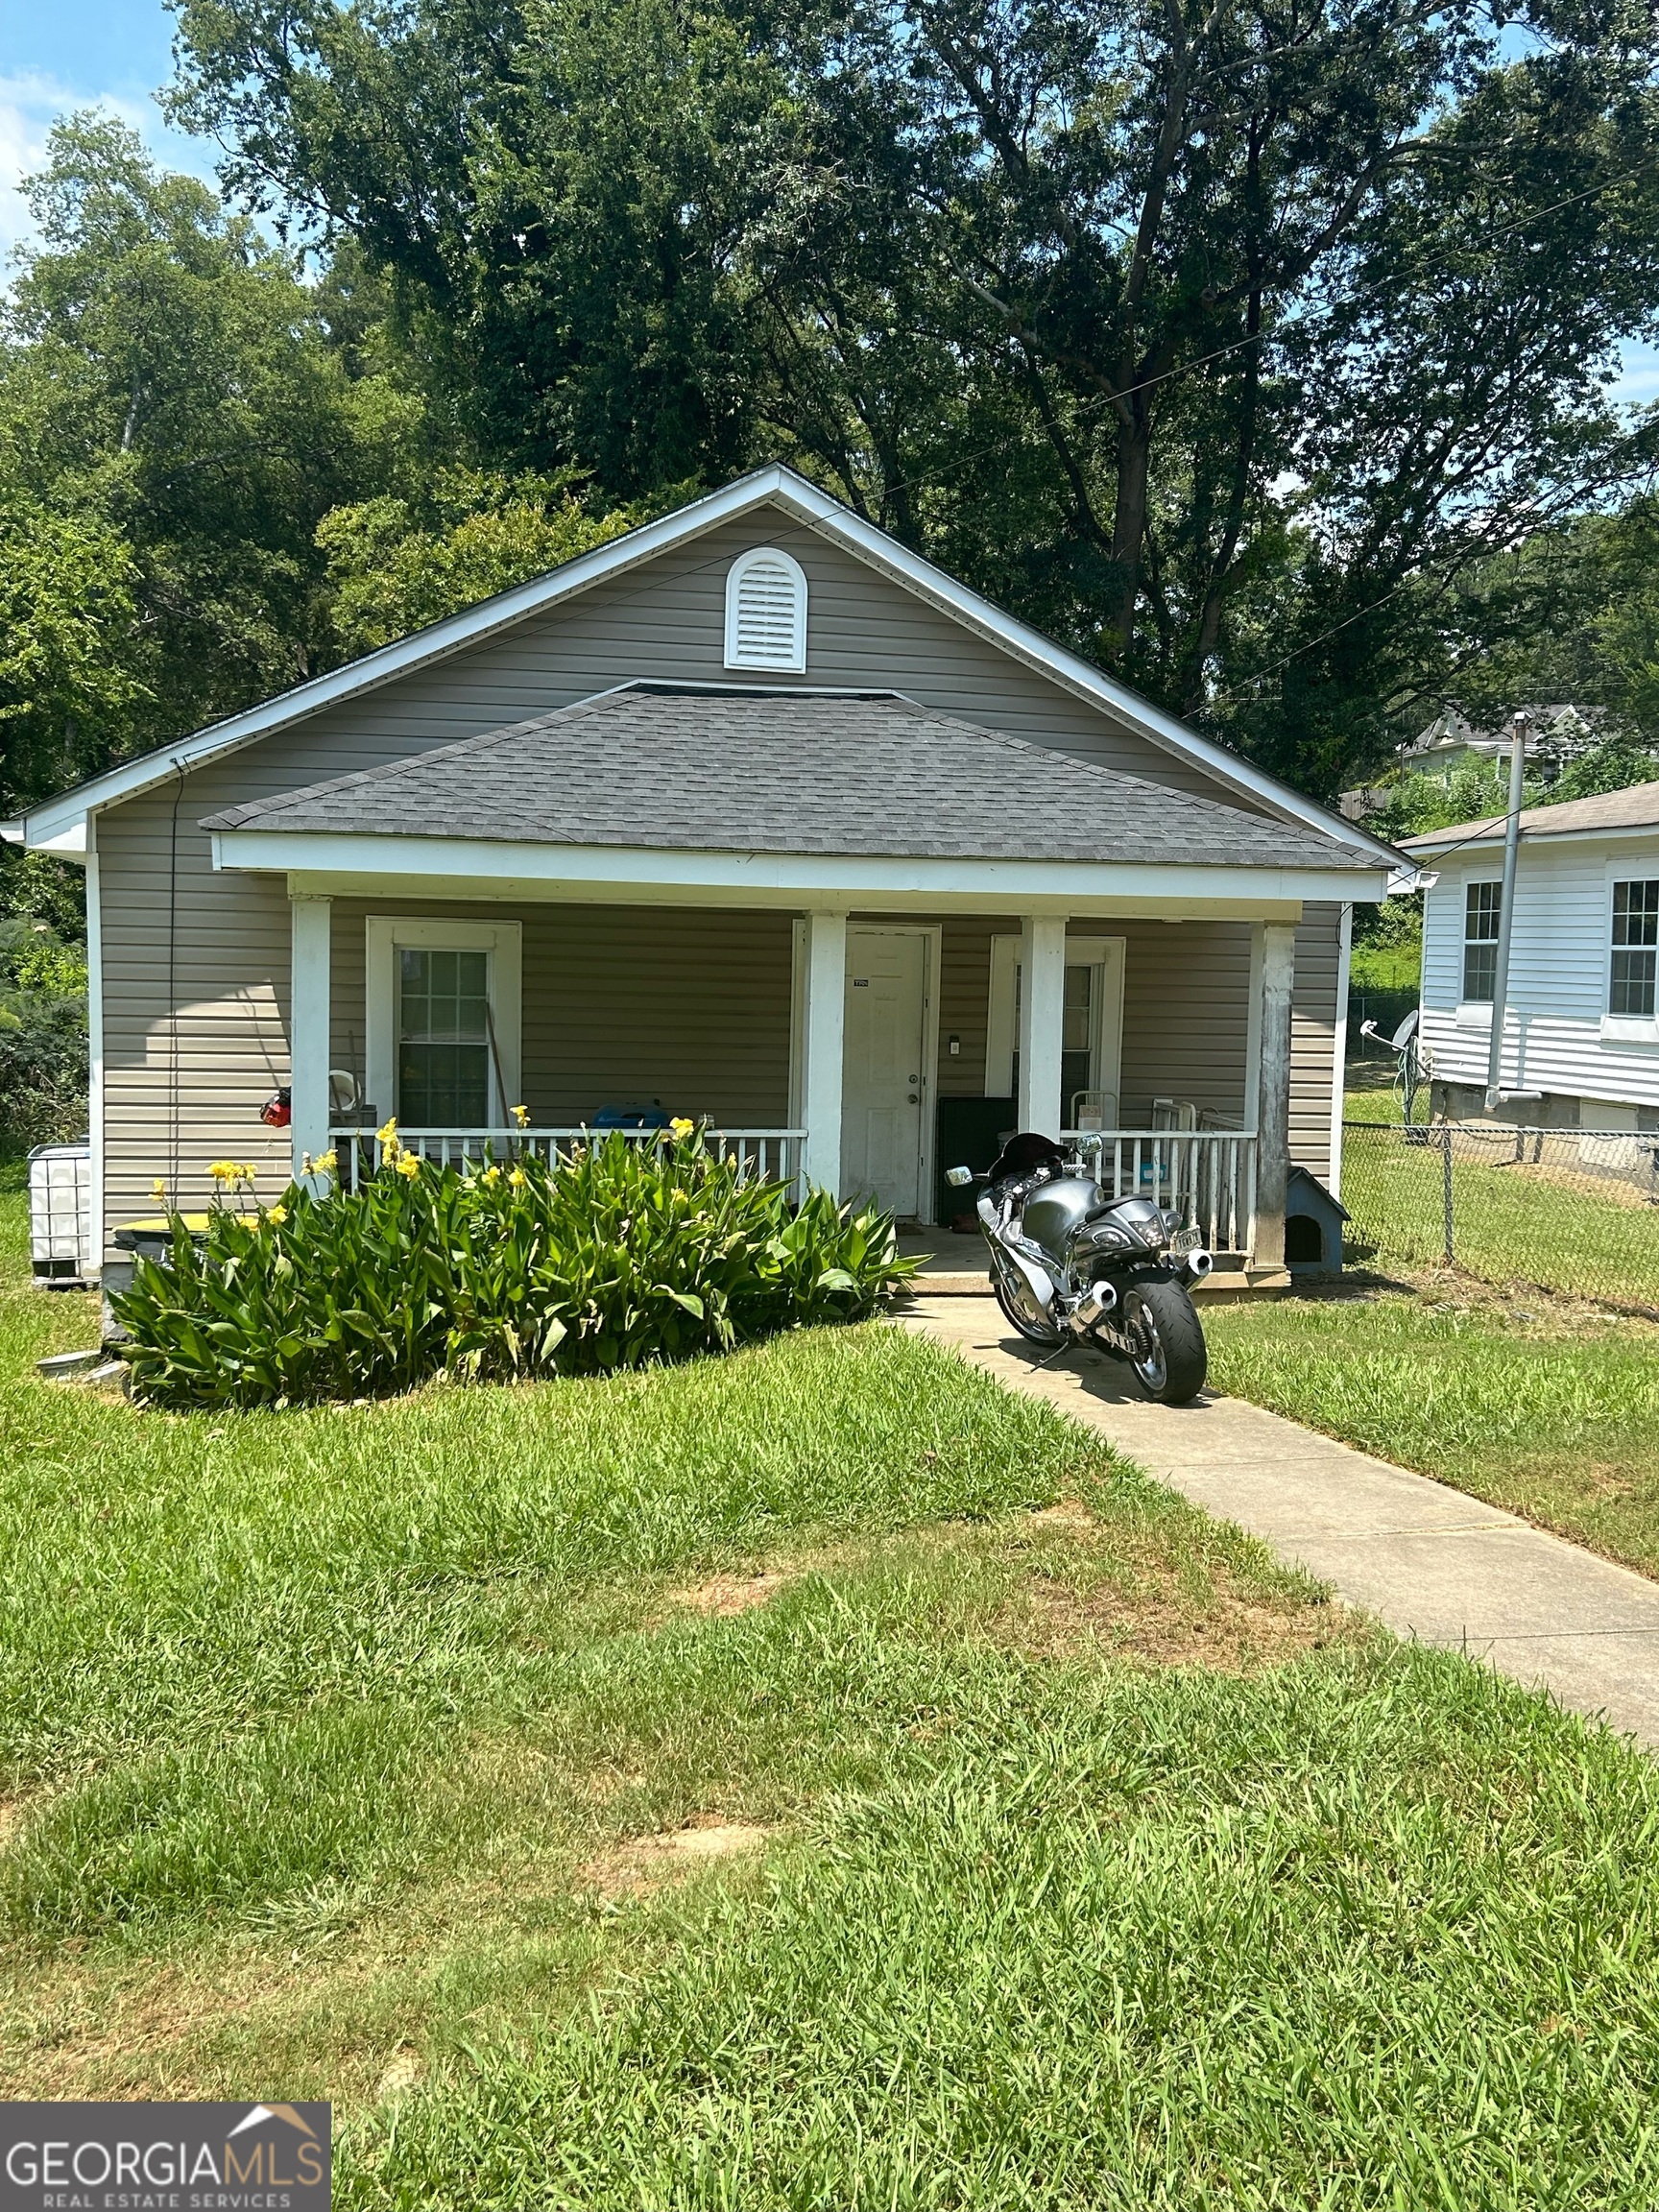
953	1265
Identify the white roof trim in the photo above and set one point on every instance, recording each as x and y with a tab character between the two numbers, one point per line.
768	879
1489	840
811	506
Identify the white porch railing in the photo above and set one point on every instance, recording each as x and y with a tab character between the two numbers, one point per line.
763	1153
1208	1175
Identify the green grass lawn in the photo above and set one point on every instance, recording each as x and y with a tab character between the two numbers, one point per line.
810	1779
1545	1408
1511	1223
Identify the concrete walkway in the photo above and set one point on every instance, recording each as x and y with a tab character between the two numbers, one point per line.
1429	1561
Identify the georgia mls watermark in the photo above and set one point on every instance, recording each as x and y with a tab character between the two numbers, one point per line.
164	2158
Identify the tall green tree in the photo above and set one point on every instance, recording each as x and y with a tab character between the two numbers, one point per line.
175	421
1207	332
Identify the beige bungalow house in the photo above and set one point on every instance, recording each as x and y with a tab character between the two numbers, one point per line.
751	815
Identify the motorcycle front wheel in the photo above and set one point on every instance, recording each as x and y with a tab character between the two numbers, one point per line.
1020	1308
1166	1342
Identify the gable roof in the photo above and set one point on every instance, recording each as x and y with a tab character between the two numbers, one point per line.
706	769
1635	807
60	822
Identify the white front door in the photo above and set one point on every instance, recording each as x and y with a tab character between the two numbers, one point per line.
884	1080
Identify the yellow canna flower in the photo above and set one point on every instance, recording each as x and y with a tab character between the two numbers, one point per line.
327	1162
518	1179
223	1171
679	1126
387	1133
491	1174
158	1191
408	1163
521	1114
276	1216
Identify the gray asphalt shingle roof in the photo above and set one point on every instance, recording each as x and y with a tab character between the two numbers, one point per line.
1635	807
786	772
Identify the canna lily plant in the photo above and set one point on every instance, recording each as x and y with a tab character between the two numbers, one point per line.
621	1255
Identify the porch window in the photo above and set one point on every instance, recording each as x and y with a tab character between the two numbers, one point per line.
1092	1021
1079	1035
1482	905
443	1020
1635	950
443	1038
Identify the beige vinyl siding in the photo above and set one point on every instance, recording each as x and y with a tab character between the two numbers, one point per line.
1186	1015
1313	1035
621	1006
183	1089
1186	1010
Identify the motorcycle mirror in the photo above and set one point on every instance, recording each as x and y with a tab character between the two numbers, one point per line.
957	1176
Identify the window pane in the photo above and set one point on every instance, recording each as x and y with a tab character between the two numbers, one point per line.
1077	1031
1479	971
1482	904
1636	914
444	1039
1633	980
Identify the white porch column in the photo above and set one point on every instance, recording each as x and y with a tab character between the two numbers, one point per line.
1042	1019
308	1025
1273	1095
823	1010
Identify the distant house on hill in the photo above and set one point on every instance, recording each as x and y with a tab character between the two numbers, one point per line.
1450	744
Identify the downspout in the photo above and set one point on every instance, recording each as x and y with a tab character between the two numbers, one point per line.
1507	915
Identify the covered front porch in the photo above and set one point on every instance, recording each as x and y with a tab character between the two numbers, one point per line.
854	939
862	1051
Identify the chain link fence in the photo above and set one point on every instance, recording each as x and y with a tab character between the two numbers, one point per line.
1570	1210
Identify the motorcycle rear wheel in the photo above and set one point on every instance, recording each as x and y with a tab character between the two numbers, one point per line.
1166	1342
1017	1312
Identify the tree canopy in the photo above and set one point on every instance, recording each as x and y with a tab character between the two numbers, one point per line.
1257	348
1217	336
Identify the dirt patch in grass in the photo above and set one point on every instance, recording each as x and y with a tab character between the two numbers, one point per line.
1164	1628
726	1595
406	2070
643	1863
1132	1601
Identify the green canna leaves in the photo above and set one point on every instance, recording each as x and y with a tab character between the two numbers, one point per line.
618	1256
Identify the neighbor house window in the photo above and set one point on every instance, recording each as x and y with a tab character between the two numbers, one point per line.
1482	904
443	1038
1635	948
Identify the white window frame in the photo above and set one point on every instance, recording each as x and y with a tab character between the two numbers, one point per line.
1623	1029
386	935
1474	1012
1110	955
796	664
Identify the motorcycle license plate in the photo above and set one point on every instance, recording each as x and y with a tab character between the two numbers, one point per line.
1185	1241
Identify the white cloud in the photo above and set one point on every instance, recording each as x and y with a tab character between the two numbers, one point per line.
31	102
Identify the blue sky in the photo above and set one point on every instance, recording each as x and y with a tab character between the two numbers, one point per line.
60	53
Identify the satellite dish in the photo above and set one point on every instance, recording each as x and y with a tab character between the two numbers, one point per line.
1406	1030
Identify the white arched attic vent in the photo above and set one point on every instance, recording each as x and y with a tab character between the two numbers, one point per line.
767	611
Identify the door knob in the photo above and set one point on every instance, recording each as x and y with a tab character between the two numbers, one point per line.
914	1100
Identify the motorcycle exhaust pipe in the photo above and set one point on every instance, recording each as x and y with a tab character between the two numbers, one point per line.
1199	1265
1096	1303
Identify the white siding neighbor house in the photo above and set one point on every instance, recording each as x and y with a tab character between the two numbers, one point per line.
753	816
1581	1037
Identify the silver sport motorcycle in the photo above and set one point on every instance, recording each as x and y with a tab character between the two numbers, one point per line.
1072	1263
